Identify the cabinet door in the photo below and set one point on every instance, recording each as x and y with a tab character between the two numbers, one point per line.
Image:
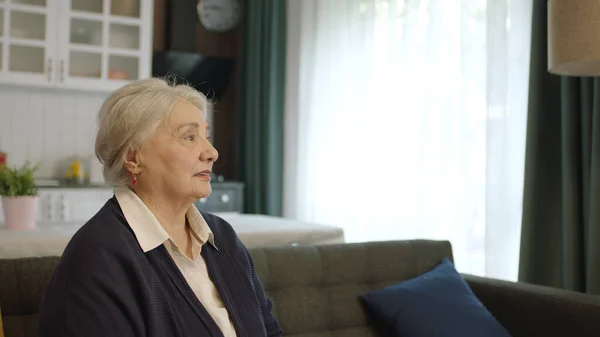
65	205
62	205
28	41
81	205
104	43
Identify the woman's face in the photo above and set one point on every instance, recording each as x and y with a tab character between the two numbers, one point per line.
178	159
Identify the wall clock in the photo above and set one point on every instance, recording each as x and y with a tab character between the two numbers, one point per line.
219	15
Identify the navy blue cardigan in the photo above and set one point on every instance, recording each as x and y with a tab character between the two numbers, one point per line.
105	285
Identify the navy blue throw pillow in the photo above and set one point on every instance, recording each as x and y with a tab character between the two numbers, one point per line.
437	303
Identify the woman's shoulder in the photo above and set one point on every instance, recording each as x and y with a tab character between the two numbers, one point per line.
105	232
100	253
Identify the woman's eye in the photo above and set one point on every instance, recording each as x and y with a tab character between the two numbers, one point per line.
191	138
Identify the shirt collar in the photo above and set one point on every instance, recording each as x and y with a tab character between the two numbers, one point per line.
146	227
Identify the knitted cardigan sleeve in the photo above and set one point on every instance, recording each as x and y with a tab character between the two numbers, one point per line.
95	300
271	325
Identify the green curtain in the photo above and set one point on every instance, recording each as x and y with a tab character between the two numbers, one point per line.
560	241
261	106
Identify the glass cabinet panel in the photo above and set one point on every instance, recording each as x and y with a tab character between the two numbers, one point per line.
86	32
84	64
124	36
130	8
24	25
123	67
26	59
104	39
90	6
39	3
25	42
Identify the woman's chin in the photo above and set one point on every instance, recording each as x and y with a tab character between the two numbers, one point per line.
200	191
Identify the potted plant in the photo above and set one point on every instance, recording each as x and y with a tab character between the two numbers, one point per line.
19	196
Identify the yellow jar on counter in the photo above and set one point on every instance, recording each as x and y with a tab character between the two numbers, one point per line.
76	172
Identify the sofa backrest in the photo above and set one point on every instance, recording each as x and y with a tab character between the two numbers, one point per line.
314	289
22	284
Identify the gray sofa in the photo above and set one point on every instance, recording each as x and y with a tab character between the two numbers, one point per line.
315	290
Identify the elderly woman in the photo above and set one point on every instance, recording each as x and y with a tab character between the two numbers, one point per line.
149	263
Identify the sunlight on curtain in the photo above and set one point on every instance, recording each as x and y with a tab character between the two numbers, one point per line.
406	119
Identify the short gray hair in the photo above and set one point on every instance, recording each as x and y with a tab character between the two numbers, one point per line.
130	116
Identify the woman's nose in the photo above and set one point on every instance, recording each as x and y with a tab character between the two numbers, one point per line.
209	154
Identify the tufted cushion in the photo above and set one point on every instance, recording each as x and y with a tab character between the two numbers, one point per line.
316	289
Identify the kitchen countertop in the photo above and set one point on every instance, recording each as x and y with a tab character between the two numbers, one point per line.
65	185
45	240
41	182
50	239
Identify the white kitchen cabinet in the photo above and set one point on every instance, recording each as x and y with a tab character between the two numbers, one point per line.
96	45
69	205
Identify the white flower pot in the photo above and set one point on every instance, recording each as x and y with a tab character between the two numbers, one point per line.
20	212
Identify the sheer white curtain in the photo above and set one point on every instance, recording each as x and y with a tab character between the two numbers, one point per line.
406	119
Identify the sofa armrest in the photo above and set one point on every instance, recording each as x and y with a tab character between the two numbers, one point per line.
529	310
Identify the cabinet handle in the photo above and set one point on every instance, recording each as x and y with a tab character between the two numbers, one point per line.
49	70
48	207
62	71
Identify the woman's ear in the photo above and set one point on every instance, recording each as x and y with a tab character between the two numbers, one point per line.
132	161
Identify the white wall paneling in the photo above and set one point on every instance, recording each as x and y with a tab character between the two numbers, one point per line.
47	125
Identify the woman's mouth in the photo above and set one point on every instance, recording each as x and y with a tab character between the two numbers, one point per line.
205	175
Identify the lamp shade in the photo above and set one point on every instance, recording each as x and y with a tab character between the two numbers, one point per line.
574	37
